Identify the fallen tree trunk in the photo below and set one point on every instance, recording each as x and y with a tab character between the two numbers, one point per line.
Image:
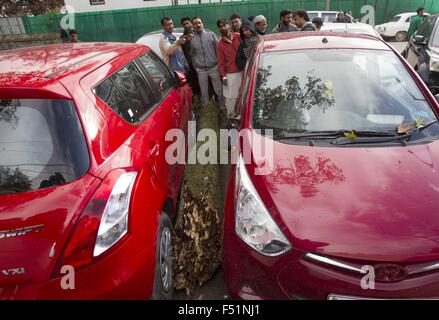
198	232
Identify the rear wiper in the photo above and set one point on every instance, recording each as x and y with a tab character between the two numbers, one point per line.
283	135
402	137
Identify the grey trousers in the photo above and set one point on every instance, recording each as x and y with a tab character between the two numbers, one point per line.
203	78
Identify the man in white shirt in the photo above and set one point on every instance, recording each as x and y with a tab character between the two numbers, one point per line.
170	47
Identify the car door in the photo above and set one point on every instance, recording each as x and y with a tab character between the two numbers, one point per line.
175	105
139	106
417	52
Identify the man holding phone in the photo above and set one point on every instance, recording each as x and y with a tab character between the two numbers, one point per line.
191	74
171	47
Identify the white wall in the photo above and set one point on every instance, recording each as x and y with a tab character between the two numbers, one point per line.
84	5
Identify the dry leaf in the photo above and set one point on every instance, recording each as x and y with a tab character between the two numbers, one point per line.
404	128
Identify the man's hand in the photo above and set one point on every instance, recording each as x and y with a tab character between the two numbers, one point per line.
225	81
189	37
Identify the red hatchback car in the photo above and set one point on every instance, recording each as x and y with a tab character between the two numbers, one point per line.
84	185
349	208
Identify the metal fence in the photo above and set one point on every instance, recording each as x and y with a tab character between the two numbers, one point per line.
129	25
11	26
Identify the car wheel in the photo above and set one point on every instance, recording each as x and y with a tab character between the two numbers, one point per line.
400	36
164	272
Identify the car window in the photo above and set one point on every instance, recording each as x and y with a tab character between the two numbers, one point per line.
427	27
313	15
127	93
41	145
109	93
329	17
395	19
408	19
160	74
339	89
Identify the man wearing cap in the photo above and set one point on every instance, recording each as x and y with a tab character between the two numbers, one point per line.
260	24
318	22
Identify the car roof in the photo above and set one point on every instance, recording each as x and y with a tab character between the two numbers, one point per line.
357	28
176	30
315	40
39	66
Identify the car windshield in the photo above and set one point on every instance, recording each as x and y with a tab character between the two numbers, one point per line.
41	145
395	19
312	15
355	31
336	89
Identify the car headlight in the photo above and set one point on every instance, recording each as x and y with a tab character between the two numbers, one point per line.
434	62
253	224
114	223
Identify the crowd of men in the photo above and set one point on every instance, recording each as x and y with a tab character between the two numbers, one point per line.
202	56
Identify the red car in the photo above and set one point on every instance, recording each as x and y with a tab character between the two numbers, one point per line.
349	208
84	185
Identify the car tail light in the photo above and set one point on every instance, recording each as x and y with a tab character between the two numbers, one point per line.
103	223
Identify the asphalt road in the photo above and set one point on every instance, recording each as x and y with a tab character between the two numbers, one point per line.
215	289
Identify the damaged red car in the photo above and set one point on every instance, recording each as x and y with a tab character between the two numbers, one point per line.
349	207
84	184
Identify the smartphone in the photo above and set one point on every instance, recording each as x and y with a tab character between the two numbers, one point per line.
187	30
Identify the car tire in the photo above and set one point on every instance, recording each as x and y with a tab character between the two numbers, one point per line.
164	272
400	36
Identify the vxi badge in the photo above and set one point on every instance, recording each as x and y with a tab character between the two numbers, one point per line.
12	272
20	231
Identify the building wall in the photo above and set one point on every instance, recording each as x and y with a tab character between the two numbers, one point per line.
85	6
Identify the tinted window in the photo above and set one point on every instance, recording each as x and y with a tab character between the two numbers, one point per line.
127	93
41	145
108	92
329	17
396	19
334	90
427	27
312	15
159	73
406	20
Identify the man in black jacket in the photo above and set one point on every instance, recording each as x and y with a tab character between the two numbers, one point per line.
302	21
249	39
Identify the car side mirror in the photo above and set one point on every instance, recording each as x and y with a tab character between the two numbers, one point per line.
420	41
180	79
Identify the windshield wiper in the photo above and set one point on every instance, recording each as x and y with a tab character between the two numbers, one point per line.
401	137
283	135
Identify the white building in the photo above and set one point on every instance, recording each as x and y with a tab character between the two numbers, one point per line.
102	5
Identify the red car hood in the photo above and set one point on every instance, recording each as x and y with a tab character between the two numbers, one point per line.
376	204
34	227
